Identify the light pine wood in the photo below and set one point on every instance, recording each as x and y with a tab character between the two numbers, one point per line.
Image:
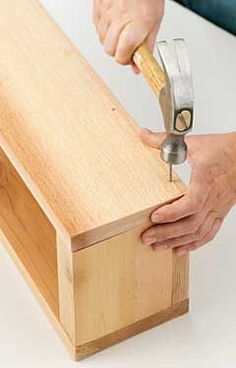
117	288
118	282
38	293
180	279
68	298
26	227
113	284
149	67
85	350
71	141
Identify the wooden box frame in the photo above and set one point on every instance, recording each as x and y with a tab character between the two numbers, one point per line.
95	279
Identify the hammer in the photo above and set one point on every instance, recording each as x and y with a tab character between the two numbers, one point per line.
173	85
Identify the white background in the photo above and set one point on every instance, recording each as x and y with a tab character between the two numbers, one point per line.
207	336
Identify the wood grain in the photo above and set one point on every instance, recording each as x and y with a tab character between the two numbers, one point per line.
71	141
24	271
118	282
31	235
116	289
68	298
164	315
180	278
149	67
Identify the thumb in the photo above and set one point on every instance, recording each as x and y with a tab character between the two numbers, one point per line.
151	139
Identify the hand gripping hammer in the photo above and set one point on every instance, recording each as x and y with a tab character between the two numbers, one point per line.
173	85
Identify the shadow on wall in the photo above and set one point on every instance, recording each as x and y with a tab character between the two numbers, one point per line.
220	12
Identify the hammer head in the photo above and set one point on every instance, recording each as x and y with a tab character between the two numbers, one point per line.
176	100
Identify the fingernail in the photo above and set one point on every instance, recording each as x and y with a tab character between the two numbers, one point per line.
156	218
161	247
149	241
181	253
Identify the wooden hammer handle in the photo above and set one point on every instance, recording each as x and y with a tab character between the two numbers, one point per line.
149	67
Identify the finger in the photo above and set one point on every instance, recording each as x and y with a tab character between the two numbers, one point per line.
131	37
198	235
112	37
151	139
194	227
191	203
96	13
102	29
162	233
197	244
135	68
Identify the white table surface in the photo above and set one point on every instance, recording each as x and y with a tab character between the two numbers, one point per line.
207	336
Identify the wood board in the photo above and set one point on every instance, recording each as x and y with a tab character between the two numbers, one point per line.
74	145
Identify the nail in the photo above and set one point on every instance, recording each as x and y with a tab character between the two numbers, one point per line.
161	247
156	218
149	241
181	252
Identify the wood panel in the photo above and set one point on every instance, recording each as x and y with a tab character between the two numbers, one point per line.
164	315
32	283
74	145
118	282
29	232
